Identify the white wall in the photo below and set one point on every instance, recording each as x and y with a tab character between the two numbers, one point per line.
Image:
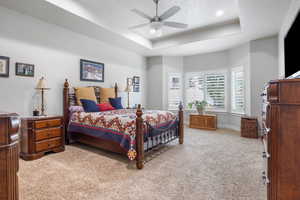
56	52
264	67
155	84
287	23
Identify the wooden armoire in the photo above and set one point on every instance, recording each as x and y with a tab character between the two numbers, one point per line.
281	139
9	156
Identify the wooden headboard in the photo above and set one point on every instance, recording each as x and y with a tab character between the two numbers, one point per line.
69	99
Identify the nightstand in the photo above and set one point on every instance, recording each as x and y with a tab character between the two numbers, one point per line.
205	121
40	135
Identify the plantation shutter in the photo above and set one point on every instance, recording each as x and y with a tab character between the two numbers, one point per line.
194	88
215	90
238	90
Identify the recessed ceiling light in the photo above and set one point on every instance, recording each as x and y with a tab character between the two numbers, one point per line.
220	13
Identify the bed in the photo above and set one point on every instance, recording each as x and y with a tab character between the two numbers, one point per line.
131	132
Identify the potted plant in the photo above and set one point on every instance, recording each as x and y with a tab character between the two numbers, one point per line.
200	106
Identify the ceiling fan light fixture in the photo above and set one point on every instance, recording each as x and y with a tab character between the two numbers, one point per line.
219	13
156	29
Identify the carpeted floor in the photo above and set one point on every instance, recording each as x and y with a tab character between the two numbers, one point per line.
211	165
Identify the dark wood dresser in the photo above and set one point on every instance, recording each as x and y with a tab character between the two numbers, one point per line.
281	139
206	121
9	156
249	127
40	135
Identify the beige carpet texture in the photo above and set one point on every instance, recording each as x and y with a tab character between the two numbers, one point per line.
210	165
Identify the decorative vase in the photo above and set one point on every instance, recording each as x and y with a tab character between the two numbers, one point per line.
200	110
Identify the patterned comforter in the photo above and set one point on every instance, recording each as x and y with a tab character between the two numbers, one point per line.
118	125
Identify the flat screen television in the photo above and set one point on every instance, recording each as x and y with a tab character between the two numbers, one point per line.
292	48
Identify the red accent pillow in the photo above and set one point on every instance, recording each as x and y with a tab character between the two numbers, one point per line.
105	107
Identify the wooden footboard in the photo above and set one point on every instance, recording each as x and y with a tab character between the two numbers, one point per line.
167	135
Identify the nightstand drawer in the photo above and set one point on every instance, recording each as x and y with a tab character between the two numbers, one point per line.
47	133
47	123
48	144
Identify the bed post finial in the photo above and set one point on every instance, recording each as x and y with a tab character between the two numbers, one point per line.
139	138
66	85
180	124
116	89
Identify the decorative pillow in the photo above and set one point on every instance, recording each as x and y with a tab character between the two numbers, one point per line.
85	93
106	93
73	109
116	102
105	107
89	105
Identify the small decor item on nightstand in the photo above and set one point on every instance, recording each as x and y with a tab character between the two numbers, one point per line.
200	106
249	127
42	87
36	112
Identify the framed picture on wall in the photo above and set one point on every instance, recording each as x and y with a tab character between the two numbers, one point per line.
136	80
136	84
4	66
91	71
23	69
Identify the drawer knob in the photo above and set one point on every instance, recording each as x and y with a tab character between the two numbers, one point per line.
266	155
265	178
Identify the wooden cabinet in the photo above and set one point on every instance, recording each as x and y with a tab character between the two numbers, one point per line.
281	139
9	156
41	135
249	127
207	122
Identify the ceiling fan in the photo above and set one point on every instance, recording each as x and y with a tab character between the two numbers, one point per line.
157	22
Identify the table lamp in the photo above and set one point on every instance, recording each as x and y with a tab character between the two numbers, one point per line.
128	89
41	86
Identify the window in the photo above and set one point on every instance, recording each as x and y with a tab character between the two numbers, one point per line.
237	90
208	86
174	91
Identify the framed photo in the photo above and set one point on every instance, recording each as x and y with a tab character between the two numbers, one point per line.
136	88
23	69
91	71
136	84
4	66
136	80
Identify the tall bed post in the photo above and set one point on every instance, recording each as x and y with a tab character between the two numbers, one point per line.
180	126
139	138
66	108
116	90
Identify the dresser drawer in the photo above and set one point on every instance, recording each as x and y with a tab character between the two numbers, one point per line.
47	123
48	144
47	133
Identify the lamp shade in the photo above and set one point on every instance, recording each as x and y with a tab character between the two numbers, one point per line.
128	89
42	84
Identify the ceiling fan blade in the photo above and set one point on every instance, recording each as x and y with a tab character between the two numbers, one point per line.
175	25
142	14
139	26
169	13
